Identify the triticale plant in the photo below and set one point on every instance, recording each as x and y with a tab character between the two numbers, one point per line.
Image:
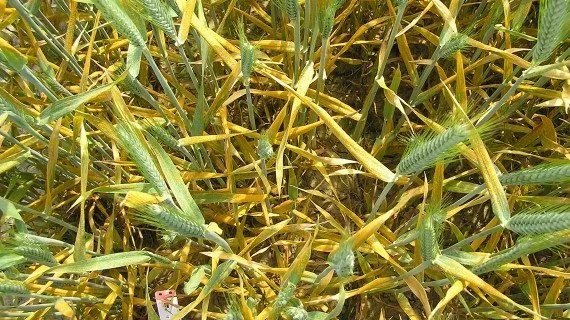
540	220
8	287
141	157
523	247
552	28
543	174
425	151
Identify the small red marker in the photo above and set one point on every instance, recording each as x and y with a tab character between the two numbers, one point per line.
166	303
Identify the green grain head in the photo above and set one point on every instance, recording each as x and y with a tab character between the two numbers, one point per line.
174	6
115	14
456	43
543	174
540	220
326	21
552	28
172	220
8	287
429	232
426	150
284	296
264	147
296	313
32	250
166	217
248	55
342	260
160	133
157	13
289	7
141	157
129	82
326	16
524	246
234	310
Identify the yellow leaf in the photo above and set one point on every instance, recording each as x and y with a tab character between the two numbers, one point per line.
453	291
366	159
185	23
453	268
64	308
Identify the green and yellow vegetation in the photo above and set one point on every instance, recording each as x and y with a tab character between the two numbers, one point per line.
285	159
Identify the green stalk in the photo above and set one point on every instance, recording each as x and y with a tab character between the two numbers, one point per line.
499	103
166	88
250	109
297	39
51	41
472	238
307	27
357	133
423	78
321	80
188	66
314	35
379	201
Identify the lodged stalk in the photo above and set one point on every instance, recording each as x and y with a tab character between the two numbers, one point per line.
171	219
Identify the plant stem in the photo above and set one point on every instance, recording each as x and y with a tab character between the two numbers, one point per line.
357	133
250	110
322	63
167	88
472	238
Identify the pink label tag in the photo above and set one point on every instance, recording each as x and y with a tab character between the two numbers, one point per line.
166	303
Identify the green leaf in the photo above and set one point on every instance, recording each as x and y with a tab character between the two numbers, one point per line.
175	182
195	278
339	305
149	307
109	261
14	160
12	57
317	315
8	260
64	106
219	275
198	121
10	211
134	56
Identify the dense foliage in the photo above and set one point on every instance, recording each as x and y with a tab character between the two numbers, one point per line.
285	159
